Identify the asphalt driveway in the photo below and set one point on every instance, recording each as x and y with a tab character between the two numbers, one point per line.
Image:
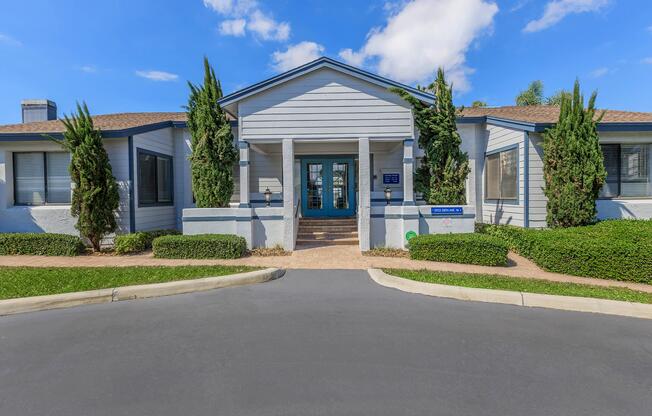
322	342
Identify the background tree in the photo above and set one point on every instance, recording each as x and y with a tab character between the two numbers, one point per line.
478	103
533	95
213	151
573	163
555	99
95	195
442	175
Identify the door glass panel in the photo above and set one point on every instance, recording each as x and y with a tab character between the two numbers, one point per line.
314	184
340	185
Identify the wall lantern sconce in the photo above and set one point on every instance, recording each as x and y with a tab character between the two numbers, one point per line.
268	197
388	194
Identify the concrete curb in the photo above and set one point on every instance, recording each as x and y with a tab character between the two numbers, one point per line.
66	300
568	303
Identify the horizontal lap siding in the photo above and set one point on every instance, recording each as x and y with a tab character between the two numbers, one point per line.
118	152
324	104
499	212
156	217
538	200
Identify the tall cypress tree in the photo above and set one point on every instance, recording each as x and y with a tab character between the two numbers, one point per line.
95	197
213	151
442	175
573	163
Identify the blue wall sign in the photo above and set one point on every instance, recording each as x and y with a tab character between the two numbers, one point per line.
447	211
391	178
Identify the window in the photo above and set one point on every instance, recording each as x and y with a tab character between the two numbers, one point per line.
628	170
41	178
501	175
154	179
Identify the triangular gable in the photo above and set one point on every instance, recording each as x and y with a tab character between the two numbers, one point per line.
315	65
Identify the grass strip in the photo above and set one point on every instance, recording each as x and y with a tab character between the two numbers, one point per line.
18	282
519	284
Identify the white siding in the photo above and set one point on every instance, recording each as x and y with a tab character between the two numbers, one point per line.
323	104
500	212
538	201
157	217
56	218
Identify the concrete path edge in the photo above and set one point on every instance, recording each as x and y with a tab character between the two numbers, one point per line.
66	300
568	303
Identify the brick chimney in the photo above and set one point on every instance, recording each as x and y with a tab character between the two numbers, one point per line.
38	110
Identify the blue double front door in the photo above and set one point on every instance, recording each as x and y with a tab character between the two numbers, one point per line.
327	187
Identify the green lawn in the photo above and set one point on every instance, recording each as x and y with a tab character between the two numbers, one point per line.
488	281
17	282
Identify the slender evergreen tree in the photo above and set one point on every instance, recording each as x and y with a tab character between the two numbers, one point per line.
213	151
573	163
442	175
95	197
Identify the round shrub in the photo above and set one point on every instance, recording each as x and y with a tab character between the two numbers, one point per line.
139	241
201	246
469	248
45	244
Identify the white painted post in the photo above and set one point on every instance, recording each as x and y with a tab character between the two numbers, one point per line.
364	192
408	172
288	194
244	175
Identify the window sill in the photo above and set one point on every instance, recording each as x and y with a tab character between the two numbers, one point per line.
647	199
40	207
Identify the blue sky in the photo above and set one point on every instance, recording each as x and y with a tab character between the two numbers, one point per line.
136	55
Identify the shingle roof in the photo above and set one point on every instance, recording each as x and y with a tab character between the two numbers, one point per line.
105	122
550	114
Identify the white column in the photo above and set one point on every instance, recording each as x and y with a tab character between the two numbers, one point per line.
288	194
408	172
244	175
364	194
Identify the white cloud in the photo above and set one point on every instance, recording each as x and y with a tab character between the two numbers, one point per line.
157	75
233	27
296	55
247	15
556	10
440	30
599	72
266	27
10	41
89	69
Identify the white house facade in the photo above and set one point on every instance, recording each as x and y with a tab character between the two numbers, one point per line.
330	146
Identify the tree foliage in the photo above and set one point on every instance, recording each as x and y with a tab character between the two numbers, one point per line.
478	103
95	197
533	95
213	151
555	99
573	163
442	174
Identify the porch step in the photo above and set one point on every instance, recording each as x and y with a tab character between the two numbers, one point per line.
327	231
338	242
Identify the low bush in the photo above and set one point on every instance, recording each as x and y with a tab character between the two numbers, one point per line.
469	248
44	244
615	249
202	246
139	241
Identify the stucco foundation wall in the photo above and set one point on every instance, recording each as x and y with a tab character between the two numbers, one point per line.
624	208
56	218
260	227
389	224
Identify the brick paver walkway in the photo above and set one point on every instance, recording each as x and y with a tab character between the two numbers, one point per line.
330	257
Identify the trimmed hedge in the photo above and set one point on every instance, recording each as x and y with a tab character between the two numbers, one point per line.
614	249
202	246
139	241
471	248
38	244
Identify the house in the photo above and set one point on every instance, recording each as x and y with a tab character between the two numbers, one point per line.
324	140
